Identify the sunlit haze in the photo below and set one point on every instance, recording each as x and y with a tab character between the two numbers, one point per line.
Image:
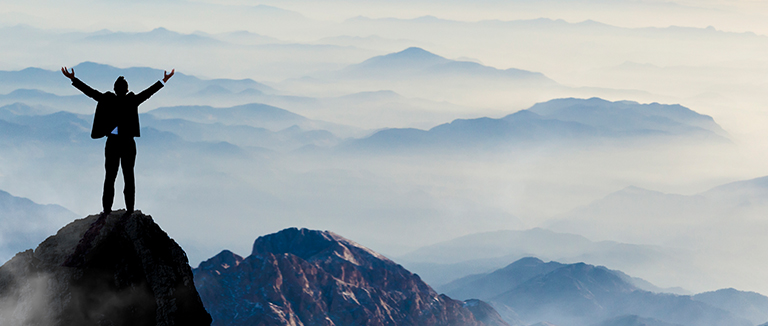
223	189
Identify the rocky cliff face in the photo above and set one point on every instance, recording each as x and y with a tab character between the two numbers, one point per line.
306	277
109	270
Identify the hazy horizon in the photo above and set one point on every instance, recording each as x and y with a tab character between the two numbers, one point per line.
308	58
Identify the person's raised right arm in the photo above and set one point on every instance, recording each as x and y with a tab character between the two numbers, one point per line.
87	90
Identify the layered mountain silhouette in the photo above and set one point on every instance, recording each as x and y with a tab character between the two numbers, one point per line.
307	277
418	63
479	253
111	269
583	294
35	86
26	223
23	123
562	121
636	211
256	115
749	305
502	280
287	139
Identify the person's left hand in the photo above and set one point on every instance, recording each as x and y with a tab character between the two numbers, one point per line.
167	76
71	75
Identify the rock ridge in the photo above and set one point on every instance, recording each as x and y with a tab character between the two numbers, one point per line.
111	269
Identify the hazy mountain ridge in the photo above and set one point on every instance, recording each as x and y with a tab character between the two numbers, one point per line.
25	123
622	115
639	208
482	253
583	294
484	286
288	139
35	85
561	121
418	63
749	305
26	223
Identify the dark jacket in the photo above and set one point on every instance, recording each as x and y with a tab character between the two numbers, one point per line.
116	111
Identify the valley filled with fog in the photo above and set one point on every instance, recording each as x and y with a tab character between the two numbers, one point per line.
454	138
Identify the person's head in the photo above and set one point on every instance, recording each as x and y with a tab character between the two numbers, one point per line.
121	86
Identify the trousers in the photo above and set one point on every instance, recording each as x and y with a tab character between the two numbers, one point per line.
120	151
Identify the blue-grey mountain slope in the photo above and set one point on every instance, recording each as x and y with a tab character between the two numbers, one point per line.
36	97
257	115
24	223
417	63
749	305
633	212
288	139
11	111
565	121
583	294
624	116
40	86
253	114
475	255
484	286
160	36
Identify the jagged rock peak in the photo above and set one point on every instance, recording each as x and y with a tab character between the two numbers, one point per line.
312	245
309	277
115	269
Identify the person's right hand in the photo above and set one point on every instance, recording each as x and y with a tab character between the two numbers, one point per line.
69	75
167	76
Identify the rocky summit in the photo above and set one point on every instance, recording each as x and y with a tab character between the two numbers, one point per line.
115	269
308	277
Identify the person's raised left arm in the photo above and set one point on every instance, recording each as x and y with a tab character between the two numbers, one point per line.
151	90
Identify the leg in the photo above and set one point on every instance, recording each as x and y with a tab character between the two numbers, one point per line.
111	163
127	161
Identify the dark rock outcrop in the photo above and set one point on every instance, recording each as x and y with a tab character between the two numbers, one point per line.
307	277
109	270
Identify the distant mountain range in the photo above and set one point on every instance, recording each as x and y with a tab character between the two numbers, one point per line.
479	253
632	212
24	223
583	294
578	122
201	124
255	115
39	86
749	305
301	276
308	277
416	72
561	121
285	140
417	63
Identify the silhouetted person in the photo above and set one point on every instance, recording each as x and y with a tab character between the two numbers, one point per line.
117	117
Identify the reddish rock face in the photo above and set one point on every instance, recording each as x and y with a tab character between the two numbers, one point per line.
306	277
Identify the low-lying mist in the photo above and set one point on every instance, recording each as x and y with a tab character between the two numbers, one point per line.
213	186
